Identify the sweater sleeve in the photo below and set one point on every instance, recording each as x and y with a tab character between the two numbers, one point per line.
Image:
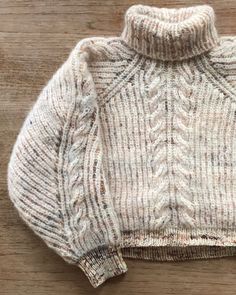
56	178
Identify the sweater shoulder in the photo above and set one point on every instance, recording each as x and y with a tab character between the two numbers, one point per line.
223	58
225	49
104	48
105	59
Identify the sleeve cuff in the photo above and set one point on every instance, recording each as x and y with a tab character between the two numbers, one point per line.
102	264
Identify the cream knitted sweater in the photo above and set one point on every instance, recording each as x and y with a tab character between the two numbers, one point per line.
130	149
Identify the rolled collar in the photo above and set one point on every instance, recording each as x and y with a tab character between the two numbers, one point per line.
170	33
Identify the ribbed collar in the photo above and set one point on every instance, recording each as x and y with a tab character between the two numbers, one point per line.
170	33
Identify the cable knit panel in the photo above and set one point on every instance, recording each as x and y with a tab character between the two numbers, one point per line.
183	93
84	152
170	113
155	85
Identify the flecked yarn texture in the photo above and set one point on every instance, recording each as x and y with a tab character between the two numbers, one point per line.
130	148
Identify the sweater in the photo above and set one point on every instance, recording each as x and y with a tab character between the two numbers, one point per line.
130	148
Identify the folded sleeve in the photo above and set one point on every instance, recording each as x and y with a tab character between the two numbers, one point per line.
56	178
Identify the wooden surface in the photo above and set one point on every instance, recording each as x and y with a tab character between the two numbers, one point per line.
35	38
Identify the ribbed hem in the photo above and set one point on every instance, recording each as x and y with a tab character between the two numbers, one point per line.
102	264
170	253
179	244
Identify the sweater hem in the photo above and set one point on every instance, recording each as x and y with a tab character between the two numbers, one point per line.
176	244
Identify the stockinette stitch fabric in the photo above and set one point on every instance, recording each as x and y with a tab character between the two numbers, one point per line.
130	148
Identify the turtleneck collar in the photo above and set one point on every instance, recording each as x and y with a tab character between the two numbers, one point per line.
170	33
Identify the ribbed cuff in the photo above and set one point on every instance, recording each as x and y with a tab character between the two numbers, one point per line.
102	264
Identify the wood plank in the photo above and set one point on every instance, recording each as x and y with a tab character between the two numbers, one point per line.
35	38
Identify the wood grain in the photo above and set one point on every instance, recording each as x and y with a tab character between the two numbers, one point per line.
35	38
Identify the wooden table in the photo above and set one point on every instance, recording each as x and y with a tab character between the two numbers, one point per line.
35	38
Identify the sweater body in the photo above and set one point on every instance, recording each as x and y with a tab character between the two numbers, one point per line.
169	141
130	148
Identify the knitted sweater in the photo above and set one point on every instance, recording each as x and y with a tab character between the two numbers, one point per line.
130	148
